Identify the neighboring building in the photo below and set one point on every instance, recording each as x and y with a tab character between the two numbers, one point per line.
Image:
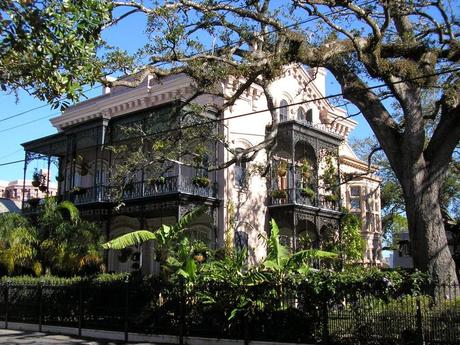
312	138
402	256
13	190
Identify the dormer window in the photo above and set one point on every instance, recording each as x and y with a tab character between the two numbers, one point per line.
283	110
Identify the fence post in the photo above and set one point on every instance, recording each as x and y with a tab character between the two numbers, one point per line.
246	320
40	306
325	323
126	286
181	311
420	337
246	330
7	292
80	307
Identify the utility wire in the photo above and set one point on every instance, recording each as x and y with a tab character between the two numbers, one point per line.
28	122
211	121
228	45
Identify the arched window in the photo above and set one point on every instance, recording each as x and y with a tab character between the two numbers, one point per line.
283	110
240	172
300	114
309	116
241	240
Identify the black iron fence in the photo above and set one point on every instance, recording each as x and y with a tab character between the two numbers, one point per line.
262	312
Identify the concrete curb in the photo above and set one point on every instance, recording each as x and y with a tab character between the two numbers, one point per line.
132	337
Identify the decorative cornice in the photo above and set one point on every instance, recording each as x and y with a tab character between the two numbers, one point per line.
120	103
359	164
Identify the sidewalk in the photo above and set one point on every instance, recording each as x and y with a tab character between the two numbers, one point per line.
13	337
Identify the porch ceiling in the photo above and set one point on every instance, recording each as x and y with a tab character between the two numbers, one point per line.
52	145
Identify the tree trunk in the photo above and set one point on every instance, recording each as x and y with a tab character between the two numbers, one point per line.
428	240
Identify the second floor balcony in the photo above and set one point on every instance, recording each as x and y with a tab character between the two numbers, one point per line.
302	197
166	186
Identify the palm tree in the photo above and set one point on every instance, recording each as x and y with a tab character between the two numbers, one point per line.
56	241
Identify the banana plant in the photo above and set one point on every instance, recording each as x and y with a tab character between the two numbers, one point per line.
280	263
167	239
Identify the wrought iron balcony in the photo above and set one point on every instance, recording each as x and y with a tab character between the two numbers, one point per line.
297	197
145	189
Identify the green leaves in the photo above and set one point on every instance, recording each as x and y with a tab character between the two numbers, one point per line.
49	47
57	241
67	207
131	239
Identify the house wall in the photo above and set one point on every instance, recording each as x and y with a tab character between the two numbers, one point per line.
243	209
249	205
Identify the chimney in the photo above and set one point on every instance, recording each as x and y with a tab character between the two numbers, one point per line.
106	89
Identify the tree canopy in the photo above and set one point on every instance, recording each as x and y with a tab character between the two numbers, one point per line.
384	55
48	48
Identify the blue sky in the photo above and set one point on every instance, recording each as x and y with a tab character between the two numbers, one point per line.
35	124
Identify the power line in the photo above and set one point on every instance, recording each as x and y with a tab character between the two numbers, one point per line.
29	122
309	20
211	121
41	106
9	163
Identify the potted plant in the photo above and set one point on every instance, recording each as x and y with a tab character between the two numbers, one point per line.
77	191
160	180
279	194
331	198
129	187
282	168
201	181
33	202
36	178
307	192
84	169
305	169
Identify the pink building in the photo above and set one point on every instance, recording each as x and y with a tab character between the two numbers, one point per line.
312	139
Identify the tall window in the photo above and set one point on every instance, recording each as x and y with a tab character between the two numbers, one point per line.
240	172
301	115
283	110
309	116
355	197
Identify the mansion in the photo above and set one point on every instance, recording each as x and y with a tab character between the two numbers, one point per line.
304	186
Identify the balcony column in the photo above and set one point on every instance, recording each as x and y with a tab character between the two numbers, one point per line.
339	200
96	176
294	177
49	173
294	231
26	162
73	161
65	165
318	161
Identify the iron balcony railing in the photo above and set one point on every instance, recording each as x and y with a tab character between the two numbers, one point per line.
296	196
144	189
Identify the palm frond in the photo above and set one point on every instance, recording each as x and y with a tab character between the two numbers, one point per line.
71	209
275	250
307	254
185	220
131	239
